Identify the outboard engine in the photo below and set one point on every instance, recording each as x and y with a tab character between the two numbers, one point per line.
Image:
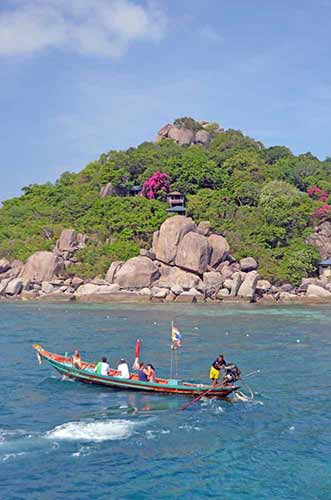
231	374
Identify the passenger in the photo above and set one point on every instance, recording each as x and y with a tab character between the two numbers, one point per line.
142	373
215	369
76	361
151	377
123	368
102	367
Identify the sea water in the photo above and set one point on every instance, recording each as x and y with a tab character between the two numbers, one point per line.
62	439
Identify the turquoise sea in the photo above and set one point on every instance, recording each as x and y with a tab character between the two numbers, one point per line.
61	439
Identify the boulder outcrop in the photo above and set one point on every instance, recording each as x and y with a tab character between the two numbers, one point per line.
4	265
248	287
138	272
248	264
68	241
193	253
318	292
321	239
14	286
171	276
113	269
183	136
219	248
171	232
42	266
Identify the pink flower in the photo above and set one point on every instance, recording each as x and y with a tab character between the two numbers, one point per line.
159	181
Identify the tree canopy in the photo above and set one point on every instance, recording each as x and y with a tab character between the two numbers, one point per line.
265	200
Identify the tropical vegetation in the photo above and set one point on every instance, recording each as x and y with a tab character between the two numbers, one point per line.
265	200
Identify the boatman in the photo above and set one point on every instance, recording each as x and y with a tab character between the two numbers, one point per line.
215	369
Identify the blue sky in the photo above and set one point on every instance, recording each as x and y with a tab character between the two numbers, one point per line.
81	77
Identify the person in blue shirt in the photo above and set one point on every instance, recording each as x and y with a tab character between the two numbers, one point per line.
142	373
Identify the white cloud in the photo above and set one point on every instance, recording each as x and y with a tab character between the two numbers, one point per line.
210	34
97	27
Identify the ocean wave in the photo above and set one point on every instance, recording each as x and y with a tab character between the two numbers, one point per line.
109	430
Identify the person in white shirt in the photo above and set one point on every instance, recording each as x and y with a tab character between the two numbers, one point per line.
102	367
123	368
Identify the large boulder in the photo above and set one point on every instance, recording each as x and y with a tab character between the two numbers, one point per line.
321	239
113	270
163	132
202	137
155	241
219	248
193	253
236	283
183	136
3	286
47	287
68	241
204	228
225	269
14	286
42	266
91	288
213	280
263	286
248	287
138	272
248	264
171	276
171	232
318	292
4	265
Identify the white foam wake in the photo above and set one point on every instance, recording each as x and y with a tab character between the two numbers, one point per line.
109	430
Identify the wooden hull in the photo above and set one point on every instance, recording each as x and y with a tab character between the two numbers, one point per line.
87	375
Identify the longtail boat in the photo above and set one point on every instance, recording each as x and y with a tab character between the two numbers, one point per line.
87	375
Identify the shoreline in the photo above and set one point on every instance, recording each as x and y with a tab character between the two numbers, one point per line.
133	298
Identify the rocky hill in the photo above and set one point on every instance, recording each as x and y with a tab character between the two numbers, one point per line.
92	230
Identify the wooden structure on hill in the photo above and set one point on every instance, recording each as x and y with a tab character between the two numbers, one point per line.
176	202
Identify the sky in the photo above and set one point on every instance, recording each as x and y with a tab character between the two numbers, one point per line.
81	77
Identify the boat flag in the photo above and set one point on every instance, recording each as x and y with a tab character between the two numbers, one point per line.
135	365
176	337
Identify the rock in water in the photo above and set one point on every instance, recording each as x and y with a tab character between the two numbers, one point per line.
42	266
171	232
138	272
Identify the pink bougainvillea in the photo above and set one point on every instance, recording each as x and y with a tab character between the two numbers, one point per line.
317	194
155	185
322	212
